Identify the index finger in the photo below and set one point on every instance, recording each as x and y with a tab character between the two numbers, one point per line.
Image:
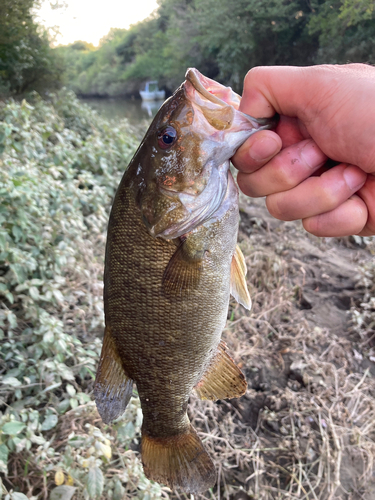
258	149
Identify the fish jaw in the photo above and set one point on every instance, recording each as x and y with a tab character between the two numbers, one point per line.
218	105
183	185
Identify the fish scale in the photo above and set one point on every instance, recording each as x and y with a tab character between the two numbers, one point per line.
171	264
191	326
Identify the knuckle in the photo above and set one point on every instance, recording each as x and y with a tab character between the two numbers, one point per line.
253	74
283	176
312	225
330	198
275	207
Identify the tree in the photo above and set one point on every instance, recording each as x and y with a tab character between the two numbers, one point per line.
26	60
346	30
225	39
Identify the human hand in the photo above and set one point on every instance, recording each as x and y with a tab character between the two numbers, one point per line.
325	112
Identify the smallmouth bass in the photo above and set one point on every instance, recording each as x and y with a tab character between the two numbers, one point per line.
171	264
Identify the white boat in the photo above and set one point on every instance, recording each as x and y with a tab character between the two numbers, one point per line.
152	92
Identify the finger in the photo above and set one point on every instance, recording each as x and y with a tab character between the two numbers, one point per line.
317	195
285	171
257	150
367	193
322	98
278	89
347	219
291	131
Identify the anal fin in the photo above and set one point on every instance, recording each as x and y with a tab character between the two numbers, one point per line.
222	379
113	388
178	462
238	286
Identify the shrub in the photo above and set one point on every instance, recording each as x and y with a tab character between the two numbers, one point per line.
60	164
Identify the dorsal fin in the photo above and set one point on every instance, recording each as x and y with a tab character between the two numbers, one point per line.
113	388
238	286
222	379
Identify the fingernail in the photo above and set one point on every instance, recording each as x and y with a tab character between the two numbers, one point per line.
264	148
354	177
312	155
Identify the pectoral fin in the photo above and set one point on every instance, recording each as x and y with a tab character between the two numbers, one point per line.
183	272
238	286
113	388
222	379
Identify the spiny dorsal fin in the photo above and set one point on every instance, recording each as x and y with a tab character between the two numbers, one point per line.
183	272
113	388
178	461
238	286
222	379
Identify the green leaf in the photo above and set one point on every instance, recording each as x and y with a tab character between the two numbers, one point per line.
13	381
63	406
34	292
13	428
4	452
65	372
126	431
18	496
37	439
58	295
63	492
70	390
95	482
17	232
49	422
73	403
119	490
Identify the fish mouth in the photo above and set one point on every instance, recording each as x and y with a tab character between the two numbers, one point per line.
212	91
215	93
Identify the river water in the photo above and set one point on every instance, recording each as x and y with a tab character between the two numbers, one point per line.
138	113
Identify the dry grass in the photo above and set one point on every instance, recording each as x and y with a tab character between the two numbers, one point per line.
306	427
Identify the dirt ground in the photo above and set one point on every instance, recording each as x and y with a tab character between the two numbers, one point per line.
306	427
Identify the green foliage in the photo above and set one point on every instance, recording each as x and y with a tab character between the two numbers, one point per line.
60	164
223	40
26	60
254	33
94	72
346	30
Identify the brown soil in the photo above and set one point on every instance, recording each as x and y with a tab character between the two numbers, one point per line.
306	427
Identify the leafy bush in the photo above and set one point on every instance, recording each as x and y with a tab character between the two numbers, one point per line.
60	164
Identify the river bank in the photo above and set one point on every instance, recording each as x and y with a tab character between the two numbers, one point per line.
305	427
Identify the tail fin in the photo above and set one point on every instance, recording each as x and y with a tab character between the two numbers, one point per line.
178	462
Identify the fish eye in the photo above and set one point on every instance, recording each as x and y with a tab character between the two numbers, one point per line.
167	137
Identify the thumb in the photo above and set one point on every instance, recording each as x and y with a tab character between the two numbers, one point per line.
283	89
335	103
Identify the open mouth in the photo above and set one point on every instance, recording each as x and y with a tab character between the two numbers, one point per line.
225	97
211	90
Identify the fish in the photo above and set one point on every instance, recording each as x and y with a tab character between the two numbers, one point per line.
171	263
